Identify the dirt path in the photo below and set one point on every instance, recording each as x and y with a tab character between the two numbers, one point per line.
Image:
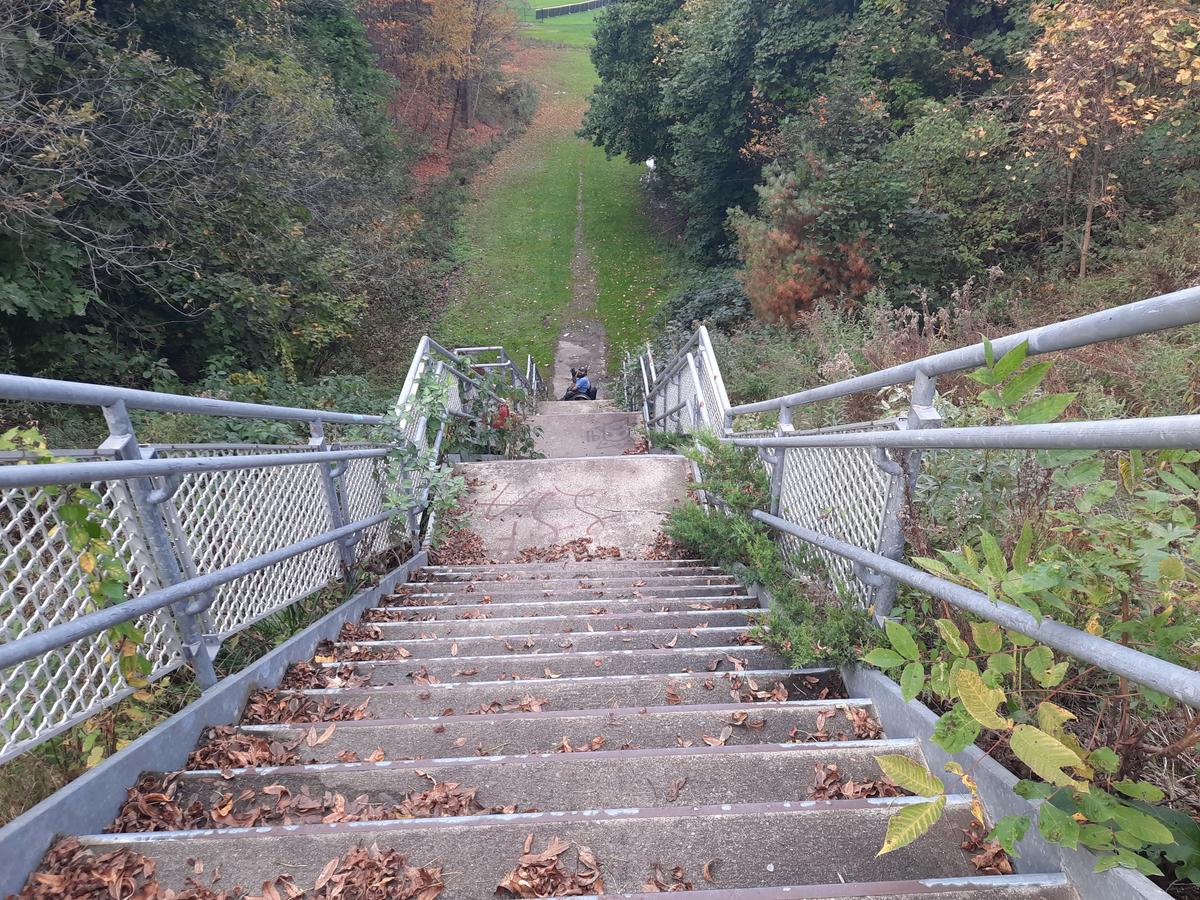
582	341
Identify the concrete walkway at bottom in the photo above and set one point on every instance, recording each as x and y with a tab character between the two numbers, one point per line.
617	501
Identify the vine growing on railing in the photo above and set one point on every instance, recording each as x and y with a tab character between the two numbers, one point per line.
1118	557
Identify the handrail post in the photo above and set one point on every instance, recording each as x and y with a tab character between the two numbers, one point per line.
778	459
921	414
150	506
333	483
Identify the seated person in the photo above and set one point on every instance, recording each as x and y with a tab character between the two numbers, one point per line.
582	389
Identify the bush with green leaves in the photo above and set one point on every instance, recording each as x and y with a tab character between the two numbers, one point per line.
1109	544
806	620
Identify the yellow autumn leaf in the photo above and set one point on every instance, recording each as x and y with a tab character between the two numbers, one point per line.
980	700
910	823
87	562
1046	755
910	775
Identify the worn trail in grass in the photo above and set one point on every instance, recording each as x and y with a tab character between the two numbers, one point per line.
556	231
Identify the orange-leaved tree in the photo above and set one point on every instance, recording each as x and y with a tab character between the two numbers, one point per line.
1104	71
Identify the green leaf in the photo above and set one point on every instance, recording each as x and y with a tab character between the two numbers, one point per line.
980	700
883	658
955	730
1140	790
953	637
1008	831
1143	827
1171	569
1033	790
1087	472
1096	837
1024	383
1054	675
996	565
910	775
1039	659
1044	409
939	679
1057	827
1020	640
910	823
74	513
989	353
1104	759
912	681
113	590
1022	550
1129	860
902	640
1010	361
987	636
1002	663
1045	754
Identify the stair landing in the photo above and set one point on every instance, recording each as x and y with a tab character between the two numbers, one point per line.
617	501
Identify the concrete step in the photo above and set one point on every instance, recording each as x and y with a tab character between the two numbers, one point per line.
684	620
542	666
578	642
527	732
617	501
600	568
581	610
397	701
981	887
589	432
575	407
643	585
753	845
609	778
567	592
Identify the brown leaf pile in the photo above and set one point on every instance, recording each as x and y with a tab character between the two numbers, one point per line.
989	857
303	675
528	703
657	883
664	548
154	805
459	547
863	726
580	549
356	631
378	614
225	747
596	743
374	874
267	706
73	871
542	874
828	784
640	446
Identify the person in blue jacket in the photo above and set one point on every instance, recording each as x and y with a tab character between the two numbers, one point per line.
582	390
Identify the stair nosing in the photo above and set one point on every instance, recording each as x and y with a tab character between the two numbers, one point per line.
771	747
390	642
598	617
445	685
546	601
833	807
425	660
587	712
861	890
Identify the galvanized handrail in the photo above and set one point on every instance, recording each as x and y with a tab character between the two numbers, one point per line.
877	512
1143	317
186	524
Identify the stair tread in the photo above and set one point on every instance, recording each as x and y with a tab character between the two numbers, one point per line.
755	844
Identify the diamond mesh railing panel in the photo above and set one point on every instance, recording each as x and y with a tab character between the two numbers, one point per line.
365	483
713	406
229	517
840	492
44	585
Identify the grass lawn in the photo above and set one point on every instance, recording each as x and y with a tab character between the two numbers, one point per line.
520	230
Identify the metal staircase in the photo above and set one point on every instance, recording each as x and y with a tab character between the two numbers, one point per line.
608	722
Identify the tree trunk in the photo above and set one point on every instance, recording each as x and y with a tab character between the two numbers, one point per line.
1093	198
453	114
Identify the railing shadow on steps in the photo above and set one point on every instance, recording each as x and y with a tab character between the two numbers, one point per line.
207	539
837	495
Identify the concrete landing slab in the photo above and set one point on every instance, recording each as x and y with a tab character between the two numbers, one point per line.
585	434
575	407
616	501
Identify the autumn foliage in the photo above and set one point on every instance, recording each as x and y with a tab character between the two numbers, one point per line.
789	265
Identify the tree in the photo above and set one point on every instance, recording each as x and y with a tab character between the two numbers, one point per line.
1105	70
